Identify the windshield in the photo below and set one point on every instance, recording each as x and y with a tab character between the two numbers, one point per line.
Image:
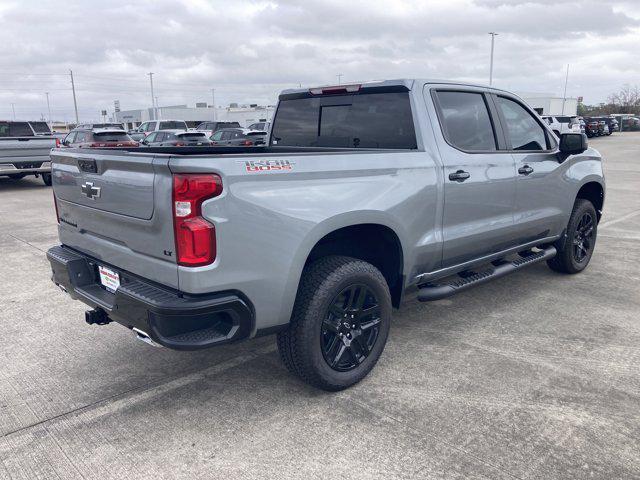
172	125
375	120
111	137
192	136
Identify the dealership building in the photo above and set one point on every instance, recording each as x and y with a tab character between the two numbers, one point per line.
243	114
549	104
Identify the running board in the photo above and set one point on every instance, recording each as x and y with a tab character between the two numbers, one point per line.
430	291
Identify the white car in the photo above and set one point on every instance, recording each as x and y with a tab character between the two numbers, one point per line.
156	125
563	124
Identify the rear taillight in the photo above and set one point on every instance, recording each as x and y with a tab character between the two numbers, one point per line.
195	236
57	143
247	143
180	144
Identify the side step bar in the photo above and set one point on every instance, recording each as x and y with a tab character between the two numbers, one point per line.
431	291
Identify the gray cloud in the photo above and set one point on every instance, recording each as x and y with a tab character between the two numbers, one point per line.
249	50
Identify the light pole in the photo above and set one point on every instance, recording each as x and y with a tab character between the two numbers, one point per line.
564	96
13	109
339	78
48	109
493	40
153	98
75	103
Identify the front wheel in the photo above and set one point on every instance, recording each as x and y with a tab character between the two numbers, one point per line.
46	178
339	325
575	252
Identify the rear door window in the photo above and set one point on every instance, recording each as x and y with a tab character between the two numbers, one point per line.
465	121
366	120
15	129
522	129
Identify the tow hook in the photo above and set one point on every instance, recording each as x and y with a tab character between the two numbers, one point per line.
96	317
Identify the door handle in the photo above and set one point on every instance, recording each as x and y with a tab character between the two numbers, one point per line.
459	176
525	170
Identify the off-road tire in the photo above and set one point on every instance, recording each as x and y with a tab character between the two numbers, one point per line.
46	178
565	261
300	344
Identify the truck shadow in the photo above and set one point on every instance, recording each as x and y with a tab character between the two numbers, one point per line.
27	183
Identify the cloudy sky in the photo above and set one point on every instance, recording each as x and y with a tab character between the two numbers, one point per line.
249	50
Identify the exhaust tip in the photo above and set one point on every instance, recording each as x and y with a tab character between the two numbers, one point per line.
144	337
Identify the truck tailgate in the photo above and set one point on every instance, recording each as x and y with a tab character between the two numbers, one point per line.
27	148
116	206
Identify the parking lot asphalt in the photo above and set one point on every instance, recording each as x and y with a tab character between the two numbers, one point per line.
535	375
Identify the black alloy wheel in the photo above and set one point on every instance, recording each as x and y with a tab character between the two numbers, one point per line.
351	327
583	238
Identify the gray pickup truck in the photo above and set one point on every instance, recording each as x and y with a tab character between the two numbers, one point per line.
363	192
23	151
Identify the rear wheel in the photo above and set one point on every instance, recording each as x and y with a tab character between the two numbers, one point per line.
575	252
339	325
46	178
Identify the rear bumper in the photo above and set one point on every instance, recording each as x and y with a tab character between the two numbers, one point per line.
24	167
170	318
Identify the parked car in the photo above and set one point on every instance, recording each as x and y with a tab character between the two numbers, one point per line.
23	153
396	186
611	124
156	125
604	127
238	137
169	138
209	128
102	137
591	127
630	124
562	124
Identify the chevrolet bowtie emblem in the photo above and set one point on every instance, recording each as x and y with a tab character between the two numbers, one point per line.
90	191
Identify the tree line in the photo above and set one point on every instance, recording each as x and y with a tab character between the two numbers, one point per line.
626	100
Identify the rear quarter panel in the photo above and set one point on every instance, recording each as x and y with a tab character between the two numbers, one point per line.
267	222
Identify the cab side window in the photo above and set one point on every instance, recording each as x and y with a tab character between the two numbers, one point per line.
465	121
69	138
522	130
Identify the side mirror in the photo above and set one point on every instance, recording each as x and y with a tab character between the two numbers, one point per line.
573	143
